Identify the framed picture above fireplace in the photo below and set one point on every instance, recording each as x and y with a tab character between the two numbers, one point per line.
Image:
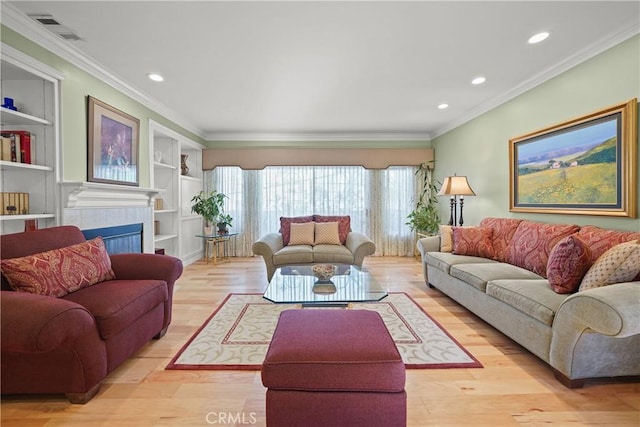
585	166
113	144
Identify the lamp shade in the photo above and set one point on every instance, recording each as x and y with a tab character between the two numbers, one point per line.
456	186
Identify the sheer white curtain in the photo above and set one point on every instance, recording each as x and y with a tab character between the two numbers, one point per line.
377	201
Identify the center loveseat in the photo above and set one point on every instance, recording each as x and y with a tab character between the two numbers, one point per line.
542	286
313	239
71	313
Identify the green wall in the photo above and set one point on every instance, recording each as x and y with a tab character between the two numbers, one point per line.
479	148
75	88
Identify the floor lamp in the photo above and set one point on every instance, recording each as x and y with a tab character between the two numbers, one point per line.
455	186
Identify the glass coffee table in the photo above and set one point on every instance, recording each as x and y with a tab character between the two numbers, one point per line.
298	284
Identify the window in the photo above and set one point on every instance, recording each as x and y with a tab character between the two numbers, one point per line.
378	201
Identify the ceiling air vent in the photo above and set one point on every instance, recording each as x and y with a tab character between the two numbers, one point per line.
55	27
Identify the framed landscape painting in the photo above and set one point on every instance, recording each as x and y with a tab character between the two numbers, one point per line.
586	166
113	144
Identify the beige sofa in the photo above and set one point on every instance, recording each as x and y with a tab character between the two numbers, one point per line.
276	252
586	334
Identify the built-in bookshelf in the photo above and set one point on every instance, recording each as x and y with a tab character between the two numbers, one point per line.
34	88
175	227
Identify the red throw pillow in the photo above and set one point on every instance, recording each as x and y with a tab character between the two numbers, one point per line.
344	224
285	225
532	243
503	231
60	271
474	241
601	240
569	261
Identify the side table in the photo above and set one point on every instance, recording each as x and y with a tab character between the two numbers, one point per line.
212	243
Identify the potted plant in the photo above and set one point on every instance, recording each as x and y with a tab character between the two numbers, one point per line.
210	206
224	220
425	217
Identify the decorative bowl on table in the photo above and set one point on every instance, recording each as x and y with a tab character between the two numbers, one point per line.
324	272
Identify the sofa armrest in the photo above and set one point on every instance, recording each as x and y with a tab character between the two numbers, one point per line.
610	311
428	244
137	266
267	246
360	246
37	323
425	245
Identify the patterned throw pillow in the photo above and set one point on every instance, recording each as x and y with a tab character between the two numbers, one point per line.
601	240
302	234
326	233
532	243
619	264
344	224
446	238
285	225
503	231
568	262
60	271
474	241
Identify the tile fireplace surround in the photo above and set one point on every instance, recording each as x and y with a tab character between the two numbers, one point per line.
90	205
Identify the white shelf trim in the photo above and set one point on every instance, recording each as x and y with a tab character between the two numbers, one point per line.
27	216
15	165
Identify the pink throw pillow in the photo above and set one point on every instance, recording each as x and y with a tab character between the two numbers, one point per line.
60	271
344	224
473	241
568	262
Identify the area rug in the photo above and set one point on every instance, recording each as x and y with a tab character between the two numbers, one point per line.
237	335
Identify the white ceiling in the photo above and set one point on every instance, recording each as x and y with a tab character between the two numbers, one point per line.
377	70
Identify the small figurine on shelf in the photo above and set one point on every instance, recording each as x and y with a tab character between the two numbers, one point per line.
8	104
183	164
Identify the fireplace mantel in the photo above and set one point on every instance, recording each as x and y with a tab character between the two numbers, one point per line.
82	194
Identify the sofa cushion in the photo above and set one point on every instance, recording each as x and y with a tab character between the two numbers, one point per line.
298	254
344	224
474	241
326	233
600	240
532	243
477	275
444	260
117	304
503	231
285	225
337	254
569	260
60	271
532	297
619	264
302	234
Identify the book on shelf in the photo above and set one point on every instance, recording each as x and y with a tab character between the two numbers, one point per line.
21	146
14	203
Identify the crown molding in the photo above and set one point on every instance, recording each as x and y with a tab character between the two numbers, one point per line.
577	58
22	24
318	136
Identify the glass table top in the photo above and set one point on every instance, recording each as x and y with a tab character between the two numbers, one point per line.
297	284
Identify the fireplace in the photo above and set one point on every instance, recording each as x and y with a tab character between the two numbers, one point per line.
119	239
97	206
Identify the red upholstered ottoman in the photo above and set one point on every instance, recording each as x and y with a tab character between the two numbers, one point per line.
328	367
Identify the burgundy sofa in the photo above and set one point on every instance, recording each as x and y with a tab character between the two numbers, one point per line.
70	344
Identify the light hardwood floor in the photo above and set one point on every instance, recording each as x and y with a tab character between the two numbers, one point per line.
513	388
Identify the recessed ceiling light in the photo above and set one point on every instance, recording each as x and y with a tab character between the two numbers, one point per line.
443	106
478	80
537	38
155	77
